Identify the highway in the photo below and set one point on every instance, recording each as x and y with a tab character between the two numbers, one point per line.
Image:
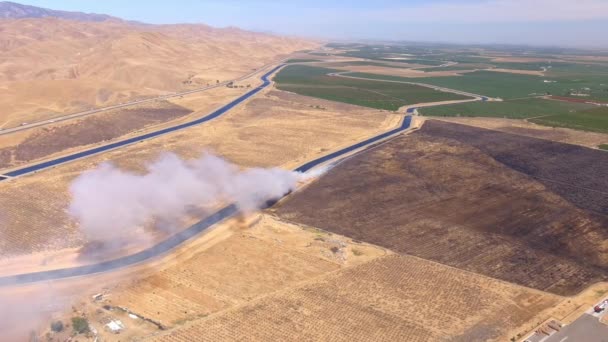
122	105
86	153
183	236
404	125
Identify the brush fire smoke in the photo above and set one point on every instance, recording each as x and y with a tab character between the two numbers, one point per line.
108	201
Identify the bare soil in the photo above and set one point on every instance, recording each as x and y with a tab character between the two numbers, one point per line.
400	72
465	197
520	72
573	172
521	127
572	99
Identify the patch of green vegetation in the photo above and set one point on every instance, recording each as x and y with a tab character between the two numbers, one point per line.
514	109
80	325
313	81
603	147
302	60
600	293
357	252
594	120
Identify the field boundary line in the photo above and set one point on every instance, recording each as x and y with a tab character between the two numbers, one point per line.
438	263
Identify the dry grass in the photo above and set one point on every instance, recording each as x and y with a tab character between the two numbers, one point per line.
393	298
272	129
236	262
61	66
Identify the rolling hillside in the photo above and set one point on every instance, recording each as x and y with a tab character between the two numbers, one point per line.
50	65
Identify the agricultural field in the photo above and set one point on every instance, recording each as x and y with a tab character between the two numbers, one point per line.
243	263
415	61
502	205
594	120
458	67
273	129
529	129
314	82
489	83
346	64
557	166
387	299
514	109
520	76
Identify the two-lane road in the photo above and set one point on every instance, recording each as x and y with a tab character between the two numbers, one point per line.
122	105
183	236
129	141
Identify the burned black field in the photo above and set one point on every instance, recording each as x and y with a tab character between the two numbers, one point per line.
525	210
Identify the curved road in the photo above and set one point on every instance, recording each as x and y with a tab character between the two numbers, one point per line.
181	237
185	235
125	142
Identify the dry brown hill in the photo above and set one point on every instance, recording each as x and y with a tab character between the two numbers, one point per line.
51	65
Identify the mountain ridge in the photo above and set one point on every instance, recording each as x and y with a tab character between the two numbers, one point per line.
13	10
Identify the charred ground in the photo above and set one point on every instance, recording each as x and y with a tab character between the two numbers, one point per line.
47	141
485	201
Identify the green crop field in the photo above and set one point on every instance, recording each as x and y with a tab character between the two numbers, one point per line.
603	147
581	116
366	63
595	120
514	109
313	81
508	86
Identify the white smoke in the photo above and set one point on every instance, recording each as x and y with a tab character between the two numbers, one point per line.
107	200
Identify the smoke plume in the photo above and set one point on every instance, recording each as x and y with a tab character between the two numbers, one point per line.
108	201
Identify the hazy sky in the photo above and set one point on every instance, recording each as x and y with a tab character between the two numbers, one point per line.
546	22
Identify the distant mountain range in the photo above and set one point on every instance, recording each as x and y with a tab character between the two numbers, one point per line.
12	10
